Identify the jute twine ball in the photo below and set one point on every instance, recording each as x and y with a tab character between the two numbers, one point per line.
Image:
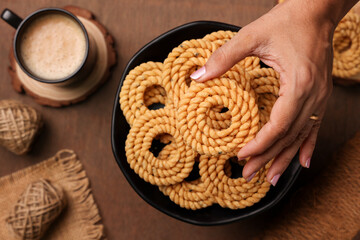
19	124
36	209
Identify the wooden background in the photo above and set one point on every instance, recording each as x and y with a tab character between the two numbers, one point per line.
85	127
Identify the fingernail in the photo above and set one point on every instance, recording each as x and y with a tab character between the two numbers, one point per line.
307	164
241	158
275	179
251	177
197	74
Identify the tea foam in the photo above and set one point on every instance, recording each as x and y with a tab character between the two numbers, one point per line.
53	46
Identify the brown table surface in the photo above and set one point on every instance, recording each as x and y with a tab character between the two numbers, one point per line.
85	127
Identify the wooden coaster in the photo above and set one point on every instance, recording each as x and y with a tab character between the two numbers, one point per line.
58	96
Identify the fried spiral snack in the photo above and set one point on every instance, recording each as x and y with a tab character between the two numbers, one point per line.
199	99
195	194
207	121
265	103
233	193
265	80
347	47
182	61
154	94
132	96
221	37
144	163
190	195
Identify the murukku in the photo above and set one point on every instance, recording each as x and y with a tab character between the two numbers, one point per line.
193	195
346	42
234	193
219	38
217	119
138	143
214	119
265	80
201	97
141	78
154	95
265	104
266	84
182	61
168	151
242	77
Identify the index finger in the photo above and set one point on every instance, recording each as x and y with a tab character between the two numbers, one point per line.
225	57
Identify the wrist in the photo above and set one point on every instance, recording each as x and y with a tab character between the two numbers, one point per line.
328	12
322	16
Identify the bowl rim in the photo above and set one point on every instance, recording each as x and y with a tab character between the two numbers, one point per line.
116	107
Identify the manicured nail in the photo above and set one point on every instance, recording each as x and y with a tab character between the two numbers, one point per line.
251	177
275	179
307	164
197	74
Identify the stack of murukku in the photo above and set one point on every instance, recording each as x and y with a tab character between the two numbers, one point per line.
199	126
346	44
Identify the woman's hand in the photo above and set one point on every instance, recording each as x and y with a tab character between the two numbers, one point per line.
295	39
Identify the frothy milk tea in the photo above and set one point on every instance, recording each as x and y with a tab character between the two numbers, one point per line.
53	46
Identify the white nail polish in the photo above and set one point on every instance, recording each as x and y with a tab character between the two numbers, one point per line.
307	164
197	74
275	179
251	177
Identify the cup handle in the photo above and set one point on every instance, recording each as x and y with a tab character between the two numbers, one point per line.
11	18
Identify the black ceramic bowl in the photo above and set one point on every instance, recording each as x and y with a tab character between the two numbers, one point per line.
157	50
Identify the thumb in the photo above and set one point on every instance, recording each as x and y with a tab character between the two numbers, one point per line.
225	57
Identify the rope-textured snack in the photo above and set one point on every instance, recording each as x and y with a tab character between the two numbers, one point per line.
195	194
39	205
218	119
265	80
132	96
265	103
221	37
214	119
233	193
190	195
144	163
199	99
347	53
154	94
182	61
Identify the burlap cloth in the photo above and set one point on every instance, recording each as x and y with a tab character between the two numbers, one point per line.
79	220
